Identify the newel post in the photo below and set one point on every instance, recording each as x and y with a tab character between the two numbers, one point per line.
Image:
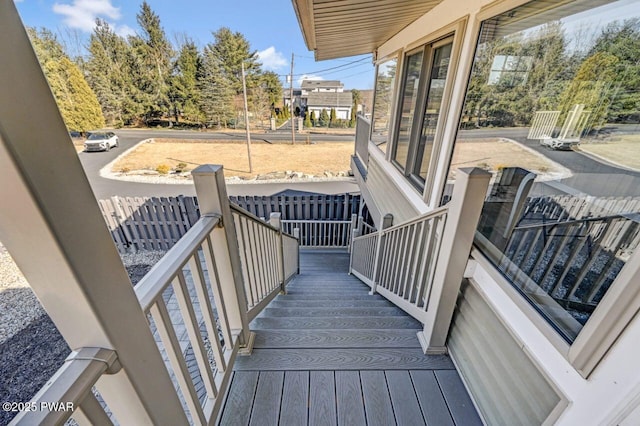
213	201
465	207
276	222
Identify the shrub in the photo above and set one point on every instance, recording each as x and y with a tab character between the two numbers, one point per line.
163	169
181	167
125	169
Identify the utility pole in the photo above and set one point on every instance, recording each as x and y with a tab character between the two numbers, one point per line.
246	118
293	127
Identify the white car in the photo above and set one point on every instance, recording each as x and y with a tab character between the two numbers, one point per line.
101	141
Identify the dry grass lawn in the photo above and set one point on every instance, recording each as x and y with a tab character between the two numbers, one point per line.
312	159
624	150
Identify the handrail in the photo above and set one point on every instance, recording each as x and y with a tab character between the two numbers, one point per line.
399	261
69	389
159	277
251	216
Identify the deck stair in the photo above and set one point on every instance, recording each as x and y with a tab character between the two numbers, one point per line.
327	352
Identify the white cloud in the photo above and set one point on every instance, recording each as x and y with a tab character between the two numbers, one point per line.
124	31
271	59
308	77
82	14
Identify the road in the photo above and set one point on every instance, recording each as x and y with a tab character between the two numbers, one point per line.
105	188
590	176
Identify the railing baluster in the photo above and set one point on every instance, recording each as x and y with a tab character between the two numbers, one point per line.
90	412
162	320
207	311
193	330
214	279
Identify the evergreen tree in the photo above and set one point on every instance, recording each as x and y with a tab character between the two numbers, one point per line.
232	49
183	84
78	104
307	119
109	75
153	54
313	118
333	120
356	96
324	118
216	90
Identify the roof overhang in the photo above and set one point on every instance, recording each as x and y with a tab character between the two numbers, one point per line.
339	28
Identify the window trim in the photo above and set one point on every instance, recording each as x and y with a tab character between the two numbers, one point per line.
449	34
392	108
619	306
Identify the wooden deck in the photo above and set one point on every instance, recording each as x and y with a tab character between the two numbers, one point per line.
328	353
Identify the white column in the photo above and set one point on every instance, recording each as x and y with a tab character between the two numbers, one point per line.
213	201
466	203
51	224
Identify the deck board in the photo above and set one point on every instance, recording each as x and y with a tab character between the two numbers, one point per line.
237	409
294	409
266	404
322	398
377	401
350	406
329	323
434	408
328	353
403	398
277	339
342	359
333	312
458	400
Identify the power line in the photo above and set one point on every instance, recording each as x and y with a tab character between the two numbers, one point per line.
327	69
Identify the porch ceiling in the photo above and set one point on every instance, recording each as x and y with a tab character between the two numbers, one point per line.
338	28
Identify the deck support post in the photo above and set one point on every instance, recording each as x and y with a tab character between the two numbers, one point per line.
465	207
51	225
276	222
213	201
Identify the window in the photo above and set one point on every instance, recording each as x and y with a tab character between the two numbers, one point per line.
553	109
421	99
383	102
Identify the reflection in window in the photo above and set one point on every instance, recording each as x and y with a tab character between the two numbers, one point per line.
553	109
435	94
383	103
510	70
408	104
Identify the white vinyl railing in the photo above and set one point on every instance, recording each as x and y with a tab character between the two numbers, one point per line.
321	233
263	258
399	262
291	257
218	286
419	265
185	259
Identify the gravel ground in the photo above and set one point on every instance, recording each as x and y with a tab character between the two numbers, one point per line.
31	348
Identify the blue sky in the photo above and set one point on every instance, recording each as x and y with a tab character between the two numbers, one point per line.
270	26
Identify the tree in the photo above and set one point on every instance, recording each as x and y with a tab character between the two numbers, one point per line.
313	118
333	120
183	84
323	120
78	104
232	49
153	53
270	82
216	92
593	87
307	119
110	76
622	40
357	98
